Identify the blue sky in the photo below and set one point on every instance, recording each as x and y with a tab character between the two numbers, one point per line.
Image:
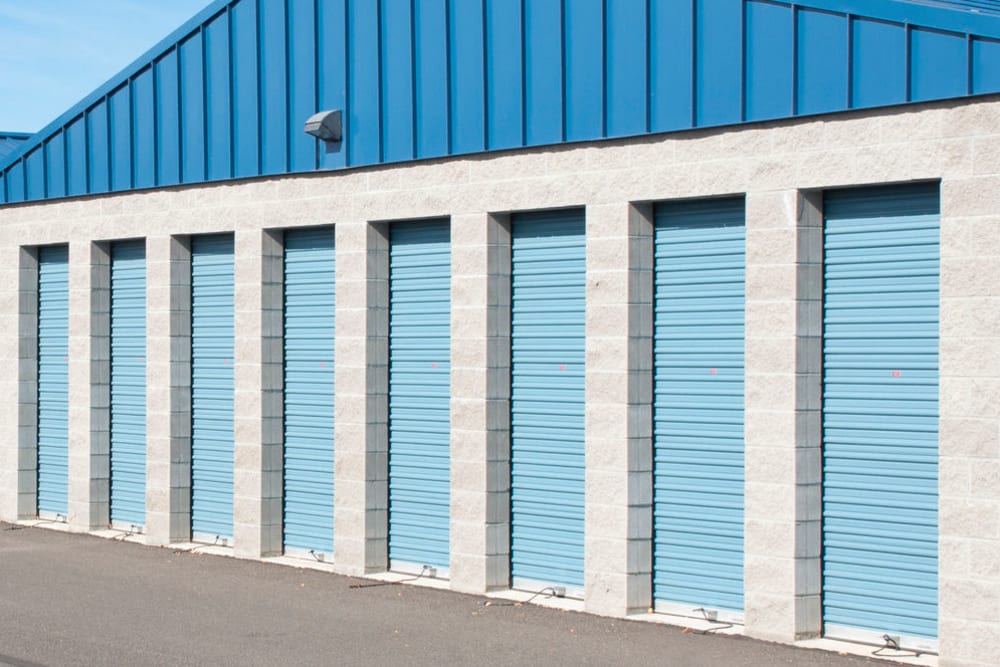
53	53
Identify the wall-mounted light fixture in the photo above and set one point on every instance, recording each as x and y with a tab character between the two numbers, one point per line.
325	125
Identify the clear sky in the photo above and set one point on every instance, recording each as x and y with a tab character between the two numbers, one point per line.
53	53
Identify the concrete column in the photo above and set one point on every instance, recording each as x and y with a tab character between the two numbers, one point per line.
361	412
257	498
89	385
19	447
619	390
969	473
783	400
168	381
9	360
480	402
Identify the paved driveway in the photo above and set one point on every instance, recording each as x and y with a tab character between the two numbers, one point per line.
80	600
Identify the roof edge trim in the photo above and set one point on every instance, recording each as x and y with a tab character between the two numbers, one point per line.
933	17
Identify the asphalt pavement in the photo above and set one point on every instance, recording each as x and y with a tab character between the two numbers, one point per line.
81	600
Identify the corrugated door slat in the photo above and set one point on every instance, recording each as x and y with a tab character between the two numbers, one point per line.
698	404
547	398
128	383
309	372
212	386
880	402
419	393
53	380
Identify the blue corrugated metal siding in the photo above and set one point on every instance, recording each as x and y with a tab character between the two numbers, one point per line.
698	404
425	78
419	393
212	386
53	380
309	372
547	397
128	382
880	410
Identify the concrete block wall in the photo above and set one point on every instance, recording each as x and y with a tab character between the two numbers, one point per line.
782	169
168	395
258	379
480	408
783	464
361	409
969	482
619	413
89	385
19	385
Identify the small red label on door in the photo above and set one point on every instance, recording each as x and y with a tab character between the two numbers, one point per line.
562	367
896	374
714	372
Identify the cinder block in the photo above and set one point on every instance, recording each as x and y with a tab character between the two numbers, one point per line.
961	517
770	616
772	392
970	599
973	196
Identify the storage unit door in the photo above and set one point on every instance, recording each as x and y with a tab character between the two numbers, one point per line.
880	414
212	387
547	399
53	381
128	383
309	324
698	406
419	394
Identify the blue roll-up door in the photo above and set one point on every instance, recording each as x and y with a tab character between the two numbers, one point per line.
419	394
53	381
698	406
309	328
880	413
212	387
547	399
128	383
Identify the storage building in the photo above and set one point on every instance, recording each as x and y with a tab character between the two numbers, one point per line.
683	307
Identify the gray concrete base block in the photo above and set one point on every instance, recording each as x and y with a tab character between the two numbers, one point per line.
808	616
376	555
27	506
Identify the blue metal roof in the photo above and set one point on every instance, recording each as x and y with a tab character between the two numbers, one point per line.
227	94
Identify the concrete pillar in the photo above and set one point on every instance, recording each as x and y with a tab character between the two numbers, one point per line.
19	449
10	421
619	391
168	397
969	473
783	400
361	412
480	402
89	385
257	475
